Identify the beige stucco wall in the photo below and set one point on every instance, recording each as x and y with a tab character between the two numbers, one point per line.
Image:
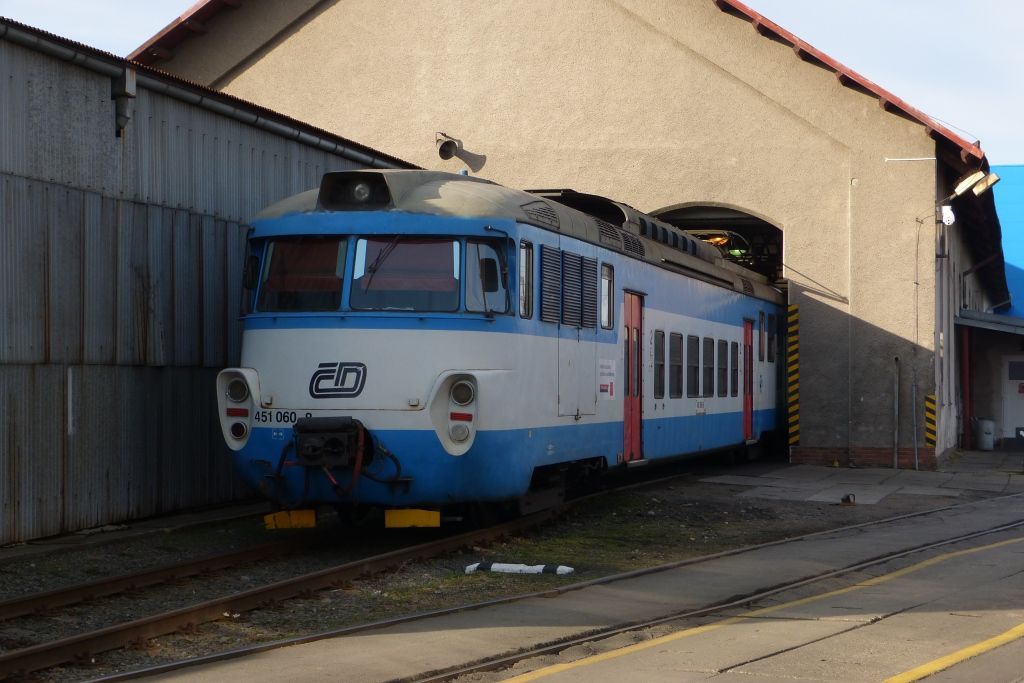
656	103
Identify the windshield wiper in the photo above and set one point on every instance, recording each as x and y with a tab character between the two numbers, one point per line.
382	255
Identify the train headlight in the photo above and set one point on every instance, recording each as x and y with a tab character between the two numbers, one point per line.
463	393
361	192
238	430
237	390
459	432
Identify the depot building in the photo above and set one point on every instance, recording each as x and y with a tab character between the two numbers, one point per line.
873	218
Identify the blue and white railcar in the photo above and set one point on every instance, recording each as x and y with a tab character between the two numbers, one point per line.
416	339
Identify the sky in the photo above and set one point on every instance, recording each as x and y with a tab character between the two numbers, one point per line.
956	61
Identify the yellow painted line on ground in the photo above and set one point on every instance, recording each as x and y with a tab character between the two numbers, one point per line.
937	665
686	633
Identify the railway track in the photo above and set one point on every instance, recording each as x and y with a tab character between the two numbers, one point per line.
505	660
26	660
23	661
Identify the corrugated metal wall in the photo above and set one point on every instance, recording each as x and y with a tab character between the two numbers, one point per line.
120	264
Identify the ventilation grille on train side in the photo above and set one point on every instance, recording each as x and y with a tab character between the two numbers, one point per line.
610	235
589	292
542	213
633	245
550	284
748	287
572	289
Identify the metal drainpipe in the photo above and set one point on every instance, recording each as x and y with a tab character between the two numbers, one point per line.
896	413
965	385
179	92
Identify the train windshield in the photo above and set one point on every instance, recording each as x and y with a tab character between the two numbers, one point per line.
406	274
302	274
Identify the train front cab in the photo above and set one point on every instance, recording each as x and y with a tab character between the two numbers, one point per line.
546	396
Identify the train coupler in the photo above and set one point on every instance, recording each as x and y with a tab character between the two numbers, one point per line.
331	442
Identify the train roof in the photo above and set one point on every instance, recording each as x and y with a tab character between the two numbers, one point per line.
590	218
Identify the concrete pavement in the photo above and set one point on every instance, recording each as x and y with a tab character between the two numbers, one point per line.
988	472
409	650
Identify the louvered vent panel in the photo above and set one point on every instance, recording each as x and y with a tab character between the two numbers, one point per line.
633	245
609	234
589	292
748	288
572	309
542	213
550	284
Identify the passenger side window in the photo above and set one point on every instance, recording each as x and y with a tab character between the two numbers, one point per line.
723	367
692	366
734	365
607	296
525	280
659	364
709	367
760	336
675	365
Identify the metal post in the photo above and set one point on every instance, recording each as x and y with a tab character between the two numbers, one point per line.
896	413
913	420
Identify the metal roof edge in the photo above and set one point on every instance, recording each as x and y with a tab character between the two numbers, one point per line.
887	100
156	80
990	321
179	28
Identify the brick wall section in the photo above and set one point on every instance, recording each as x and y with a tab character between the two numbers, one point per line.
863	457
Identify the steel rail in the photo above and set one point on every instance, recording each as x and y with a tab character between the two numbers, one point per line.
62	597
506	659
23	661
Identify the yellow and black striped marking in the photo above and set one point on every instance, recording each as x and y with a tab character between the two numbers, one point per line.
793	374
929	420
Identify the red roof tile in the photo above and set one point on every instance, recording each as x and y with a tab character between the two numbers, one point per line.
851	78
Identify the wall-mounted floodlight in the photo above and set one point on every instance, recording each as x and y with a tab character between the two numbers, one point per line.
975	181
967	182
985	183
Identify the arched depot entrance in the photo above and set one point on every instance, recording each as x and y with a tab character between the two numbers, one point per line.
742	238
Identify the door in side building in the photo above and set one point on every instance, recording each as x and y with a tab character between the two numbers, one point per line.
1013	397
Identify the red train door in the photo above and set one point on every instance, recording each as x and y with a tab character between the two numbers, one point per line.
633	363
748	379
